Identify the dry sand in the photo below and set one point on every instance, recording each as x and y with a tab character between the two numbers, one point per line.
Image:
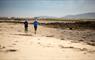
47	44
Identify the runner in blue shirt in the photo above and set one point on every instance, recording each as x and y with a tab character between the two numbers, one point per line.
35	23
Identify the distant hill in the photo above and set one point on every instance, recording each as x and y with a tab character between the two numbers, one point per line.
46	17
82	16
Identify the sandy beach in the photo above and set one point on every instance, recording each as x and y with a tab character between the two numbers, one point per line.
47	44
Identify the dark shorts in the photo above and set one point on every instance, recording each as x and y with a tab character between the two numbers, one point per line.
35	27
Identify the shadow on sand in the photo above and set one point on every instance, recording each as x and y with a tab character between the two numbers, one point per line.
24	34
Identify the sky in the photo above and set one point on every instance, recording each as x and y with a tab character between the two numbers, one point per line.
55	8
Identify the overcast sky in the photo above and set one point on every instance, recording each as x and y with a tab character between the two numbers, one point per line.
56	8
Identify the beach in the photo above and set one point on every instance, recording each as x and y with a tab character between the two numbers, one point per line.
47	44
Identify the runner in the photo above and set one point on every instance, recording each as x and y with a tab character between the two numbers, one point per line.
26	25
35	25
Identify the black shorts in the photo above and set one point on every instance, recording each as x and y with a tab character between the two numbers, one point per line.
35	27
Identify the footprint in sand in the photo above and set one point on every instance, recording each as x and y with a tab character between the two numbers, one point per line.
66	47
15	41
2	47
85	50
24	34
14	44
38	39
8	50
50	36
38	43
48	45
11	50
62	39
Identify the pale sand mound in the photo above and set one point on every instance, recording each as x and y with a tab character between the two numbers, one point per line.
17	45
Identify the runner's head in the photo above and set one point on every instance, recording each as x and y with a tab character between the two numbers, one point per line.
35	18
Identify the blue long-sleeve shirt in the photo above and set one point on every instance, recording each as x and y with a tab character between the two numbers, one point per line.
35	23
